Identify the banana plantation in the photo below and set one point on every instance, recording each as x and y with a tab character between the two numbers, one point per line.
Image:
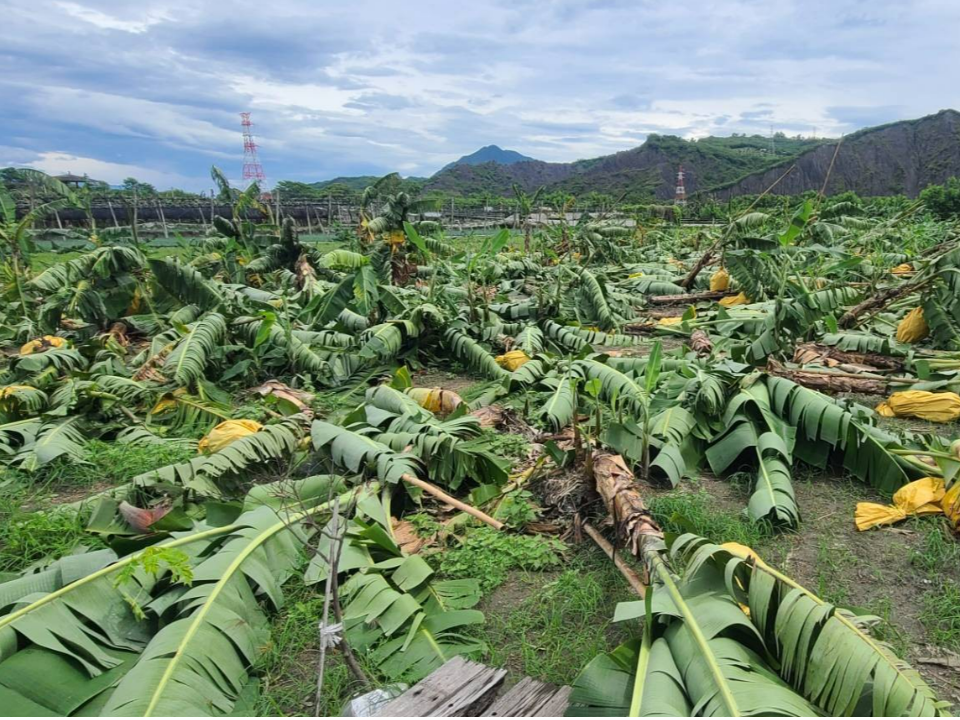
360	441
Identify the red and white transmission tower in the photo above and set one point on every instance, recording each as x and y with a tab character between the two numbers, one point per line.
252	169
681	196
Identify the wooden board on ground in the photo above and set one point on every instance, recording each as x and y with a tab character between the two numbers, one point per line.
531	698
460	688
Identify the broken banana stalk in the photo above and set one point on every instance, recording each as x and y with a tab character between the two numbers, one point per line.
636	529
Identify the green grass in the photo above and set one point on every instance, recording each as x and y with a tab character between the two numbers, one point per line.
288	667
28	535
938	548
40	261
940	614
697	512
559	627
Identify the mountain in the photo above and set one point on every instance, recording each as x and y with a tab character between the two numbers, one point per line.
361	182
901	157
490	154
643	173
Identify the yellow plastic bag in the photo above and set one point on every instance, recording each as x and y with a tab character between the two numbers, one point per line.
720	280
951	505
913	328
226	433
740	299
670	321
436	400
513	360
904	269
41	344
921	497
631	276
935	407
925	496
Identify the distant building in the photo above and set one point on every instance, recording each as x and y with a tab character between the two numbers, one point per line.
76	181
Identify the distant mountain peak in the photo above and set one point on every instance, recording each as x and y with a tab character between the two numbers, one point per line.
490	153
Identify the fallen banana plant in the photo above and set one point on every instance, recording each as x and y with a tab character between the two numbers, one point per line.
169	630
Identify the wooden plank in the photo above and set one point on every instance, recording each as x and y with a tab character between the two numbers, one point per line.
531	698
558	704
460	688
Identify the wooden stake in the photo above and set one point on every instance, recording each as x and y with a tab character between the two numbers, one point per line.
441	495
628	572
163	219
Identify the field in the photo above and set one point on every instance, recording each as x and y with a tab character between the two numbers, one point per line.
196	431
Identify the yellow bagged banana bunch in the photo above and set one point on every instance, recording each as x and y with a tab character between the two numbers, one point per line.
935	407
41	344
913	328
720	280
513	360
436	400
921	497
740	299
226	433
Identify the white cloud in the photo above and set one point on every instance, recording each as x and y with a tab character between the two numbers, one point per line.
110	22
59	163
373	86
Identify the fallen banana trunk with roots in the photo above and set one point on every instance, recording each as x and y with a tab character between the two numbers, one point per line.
731	636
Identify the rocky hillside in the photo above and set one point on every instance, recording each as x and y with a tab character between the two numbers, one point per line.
643	173
902	157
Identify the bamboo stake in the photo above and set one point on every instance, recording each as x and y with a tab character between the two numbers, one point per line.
628	572
163	219
441	495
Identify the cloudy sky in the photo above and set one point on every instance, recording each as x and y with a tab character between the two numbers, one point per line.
153	88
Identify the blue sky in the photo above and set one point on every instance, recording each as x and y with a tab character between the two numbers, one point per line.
153	88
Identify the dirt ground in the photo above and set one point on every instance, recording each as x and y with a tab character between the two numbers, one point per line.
886	573
879	572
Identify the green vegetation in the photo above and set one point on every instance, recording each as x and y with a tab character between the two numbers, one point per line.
943	200
489	556
189	441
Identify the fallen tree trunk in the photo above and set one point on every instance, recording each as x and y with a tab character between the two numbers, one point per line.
826	381
880	300
812	352
687	298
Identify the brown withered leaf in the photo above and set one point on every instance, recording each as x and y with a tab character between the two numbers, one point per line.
490	416
140	519
407	538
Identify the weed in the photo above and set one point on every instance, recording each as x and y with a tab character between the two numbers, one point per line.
108	464
517	508
487	555
938	549
425	524
288	668
885	630
29	537
560	627
831	560
696	512
506	445
940	614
